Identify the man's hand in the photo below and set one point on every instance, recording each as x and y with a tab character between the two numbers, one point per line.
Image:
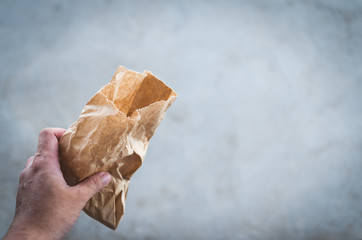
46	207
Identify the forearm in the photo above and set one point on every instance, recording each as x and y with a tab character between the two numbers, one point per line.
22	231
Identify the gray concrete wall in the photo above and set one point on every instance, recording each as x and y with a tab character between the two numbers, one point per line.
264	141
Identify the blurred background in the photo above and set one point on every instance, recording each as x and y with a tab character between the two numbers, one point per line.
264	141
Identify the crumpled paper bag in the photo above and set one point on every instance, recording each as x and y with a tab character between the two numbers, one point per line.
112	134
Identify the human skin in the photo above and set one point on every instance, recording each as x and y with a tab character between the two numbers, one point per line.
46	207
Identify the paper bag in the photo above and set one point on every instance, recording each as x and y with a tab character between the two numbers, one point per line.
112	135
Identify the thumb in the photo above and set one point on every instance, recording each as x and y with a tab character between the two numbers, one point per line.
91	185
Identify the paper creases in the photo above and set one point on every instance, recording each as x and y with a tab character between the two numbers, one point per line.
112	134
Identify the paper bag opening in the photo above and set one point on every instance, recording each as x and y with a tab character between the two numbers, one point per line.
129	95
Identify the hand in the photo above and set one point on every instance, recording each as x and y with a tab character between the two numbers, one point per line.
46	207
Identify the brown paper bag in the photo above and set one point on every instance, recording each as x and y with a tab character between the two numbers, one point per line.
112	134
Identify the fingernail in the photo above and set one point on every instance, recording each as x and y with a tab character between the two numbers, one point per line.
106	178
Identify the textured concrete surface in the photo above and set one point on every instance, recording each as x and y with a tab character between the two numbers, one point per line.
264	141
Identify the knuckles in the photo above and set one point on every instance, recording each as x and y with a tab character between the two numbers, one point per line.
22	175
46	132
39	163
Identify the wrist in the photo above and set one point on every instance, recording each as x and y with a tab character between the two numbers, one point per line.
19	230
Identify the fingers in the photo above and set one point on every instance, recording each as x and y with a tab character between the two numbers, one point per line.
48	140
90	186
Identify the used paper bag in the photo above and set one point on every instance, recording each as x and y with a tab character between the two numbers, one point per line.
112	135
